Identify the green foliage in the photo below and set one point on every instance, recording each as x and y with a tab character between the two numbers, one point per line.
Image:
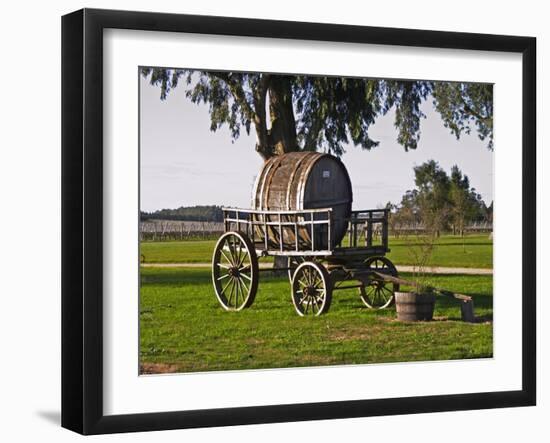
309	112
463	105
433	187
440	201
332	111
407	96
466	204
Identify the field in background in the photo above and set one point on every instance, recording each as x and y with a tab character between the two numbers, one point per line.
183	328
472	251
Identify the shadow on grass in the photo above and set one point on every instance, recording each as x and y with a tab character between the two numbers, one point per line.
172	276
191	275
488	318
481	301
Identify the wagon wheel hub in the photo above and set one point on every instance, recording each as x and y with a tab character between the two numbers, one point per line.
310	291
233	271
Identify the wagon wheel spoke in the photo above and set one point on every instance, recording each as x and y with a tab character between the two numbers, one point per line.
231	291
387	292
231	247
318	283
246	288
372	295
225	256
311	277
226	285
315	304
237	290
305	277
293	263
240	256
242	292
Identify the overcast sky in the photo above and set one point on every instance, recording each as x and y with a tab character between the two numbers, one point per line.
183	163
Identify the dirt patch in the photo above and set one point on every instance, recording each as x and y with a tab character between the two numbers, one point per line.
355	334
157	368
388	319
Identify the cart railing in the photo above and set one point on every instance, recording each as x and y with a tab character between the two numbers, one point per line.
307	231
284	232
366	225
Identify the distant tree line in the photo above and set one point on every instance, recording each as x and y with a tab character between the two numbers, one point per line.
209	213
440	202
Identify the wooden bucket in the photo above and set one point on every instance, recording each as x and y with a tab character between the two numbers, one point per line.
414	307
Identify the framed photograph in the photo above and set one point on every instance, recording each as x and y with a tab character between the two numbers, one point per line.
269	221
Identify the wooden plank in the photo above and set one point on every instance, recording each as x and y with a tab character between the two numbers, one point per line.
467	311
402	281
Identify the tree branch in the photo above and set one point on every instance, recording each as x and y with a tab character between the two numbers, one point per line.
471	111
237	92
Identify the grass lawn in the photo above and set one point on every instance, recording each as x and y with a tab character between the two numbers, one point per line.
184	329
476	252
472	251
190	251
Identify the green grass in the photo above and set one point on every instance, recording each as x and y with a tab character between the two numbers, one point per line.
184	329
472	251
190	251
476	252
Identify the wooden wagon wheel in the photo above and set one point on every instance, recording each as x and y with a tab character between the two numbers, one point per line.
235	271
377	293
311	289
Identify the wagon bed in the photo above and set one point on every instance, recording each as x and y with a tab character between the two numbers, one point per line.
269	231
316	264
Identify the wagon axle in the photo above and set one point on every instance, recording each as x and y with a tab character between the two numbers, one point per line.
310	291
233	272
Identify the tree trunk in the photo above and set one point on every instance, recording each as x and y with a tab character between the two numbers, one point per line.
281	137
283	125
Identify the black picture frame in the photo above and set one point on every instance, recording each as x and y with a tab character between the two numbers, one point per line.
82	215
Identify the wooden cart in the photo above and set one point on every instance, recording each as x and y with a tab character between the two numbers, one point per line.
316	265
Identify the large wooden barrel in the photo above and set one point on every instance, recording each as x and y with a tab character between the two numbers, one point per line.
306	180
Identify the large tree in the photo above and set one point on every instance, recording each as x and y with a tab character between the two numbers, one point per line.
440	200
466	203
433	185
306	112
